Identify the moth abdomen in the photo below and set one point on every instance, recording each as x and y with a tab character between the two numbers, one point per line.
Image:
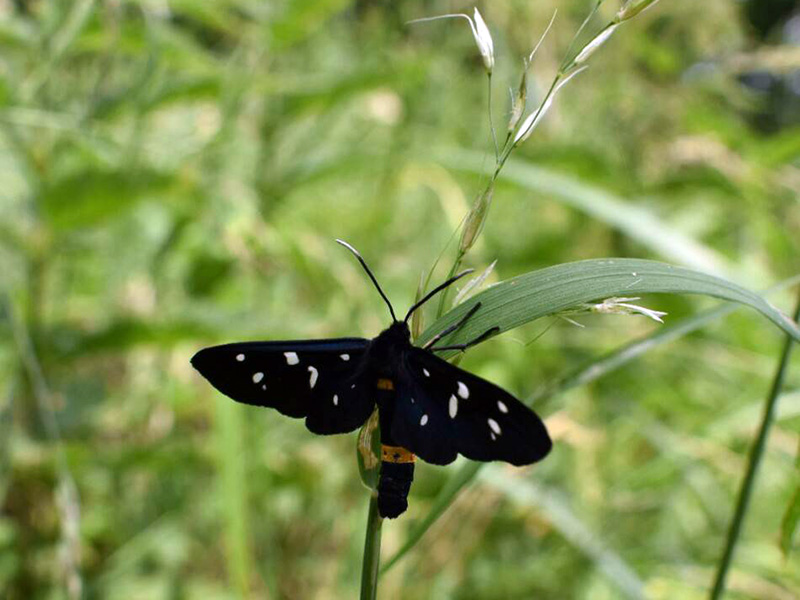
397	473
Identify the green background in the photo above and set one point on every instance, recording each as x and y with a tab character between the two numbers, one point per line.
173	174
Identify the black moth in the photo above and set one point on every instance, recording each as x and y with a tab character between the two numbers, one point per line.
427	407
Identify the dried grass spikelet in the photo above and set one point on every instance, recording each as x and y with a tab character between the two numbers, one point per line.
475	220
632	8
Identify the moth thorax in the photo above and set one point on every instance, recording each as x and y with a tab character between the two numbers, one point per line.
386	349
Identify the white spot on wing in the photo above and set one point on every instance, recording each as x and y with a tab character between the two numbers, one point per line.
453	406
240	357
501	405
495	427
427	374
335	400
352	387
257	377
312	380
494	437
263	387
423	420
344	356
463	390
291	358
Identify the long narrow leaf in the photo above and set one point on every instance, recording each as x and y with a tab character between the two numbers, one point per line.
537	294
790	523
585	374
556	509
621	356
233	495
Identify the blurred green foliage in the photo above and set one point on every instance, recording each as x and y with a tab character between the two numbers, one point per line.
173	174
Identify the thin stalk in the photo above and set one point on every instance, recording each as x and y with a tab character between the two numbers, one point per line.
551	90
565	64
445	294
501	155
754	462
491	119
370	566
67	498
232	481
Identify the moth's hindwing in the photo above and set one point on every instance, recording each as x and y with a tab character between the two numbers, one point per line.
317	379
442	411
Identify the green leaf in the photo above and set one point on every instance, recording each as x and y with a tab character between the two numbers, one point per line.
537	294
580	376
556	508
584	374
368	452
65	343
303	19
91	196
232	488
791	521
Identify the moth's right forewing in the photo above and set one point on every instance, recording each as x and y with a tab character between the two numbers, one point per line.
317	379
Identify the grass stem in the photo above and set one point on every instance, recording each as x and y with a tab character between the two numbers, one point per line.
491	120
372	552
754	462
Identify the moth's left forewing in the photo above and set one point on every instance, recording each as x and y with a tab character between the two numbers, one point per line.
481	420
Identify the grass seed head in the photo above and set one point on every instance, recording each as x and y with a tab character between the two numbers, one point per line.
598	40
622	306
632	8
519	100
484	40
475	220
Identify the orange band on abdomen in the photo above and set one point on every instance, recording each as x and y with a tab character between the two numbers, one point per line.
396	454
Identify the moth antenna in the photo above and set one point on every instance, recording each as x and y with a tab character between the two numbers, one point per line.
371	276
436	290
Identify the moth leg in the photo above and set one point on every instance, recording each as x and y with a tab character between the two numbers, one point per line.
452	328
486	334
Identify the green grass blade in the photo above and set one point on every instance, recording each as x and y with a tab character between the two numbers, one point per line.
621	356
790	523
580	376
537	294
368	452
754	462
637	223
370	567
556	509
233	492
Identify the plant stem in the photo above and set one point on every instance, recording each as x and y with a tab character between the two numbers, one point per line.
491	121
444	294
372	552
754	462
